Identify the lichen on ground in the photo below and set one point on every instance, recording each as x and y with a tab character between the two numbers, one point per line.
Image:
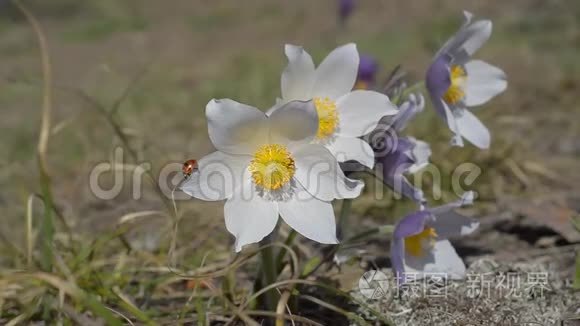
494	294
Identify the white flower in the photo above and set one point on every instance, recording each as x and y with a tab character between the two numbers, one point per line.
344	115
265	166
455	82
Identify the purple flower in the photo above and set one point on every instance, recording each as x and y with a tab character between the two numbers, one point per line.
345	8
455	82
420	244
399	155
367	71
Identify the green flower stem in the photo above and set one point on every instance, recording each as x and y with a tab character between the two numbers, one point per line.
343	218
269	273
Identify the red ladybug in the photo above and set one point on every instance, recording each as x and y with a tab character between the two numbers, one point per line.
188	167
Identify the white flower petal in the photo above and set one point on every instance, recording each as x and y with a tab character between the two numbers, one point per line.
319	173
451	224
250	218
476	35
471	128
311	217
293	122
452	41
484	81
442	259
465	200
457	140
359	112
279	102
217	177
420	154
337	73
470	39
347	148
298	77
235	128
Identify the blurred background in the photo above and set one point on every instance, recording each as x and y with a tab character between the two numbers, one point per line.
157	63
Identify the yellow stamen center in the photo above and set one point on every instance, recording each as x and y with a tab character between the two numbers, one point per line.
455	92
272	166
327	117
415	245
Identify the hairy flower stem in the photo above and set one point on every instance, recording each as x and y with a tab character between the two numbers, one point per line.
269	273
343	219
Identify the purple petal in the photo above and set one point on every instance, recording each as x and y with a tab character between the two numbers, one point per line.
345	8
395	162
367	69
437	81
394	157
391	152
408	111
438	77
411	224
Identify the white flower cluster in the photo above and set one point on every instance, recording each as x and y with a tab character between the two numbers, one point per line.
285	162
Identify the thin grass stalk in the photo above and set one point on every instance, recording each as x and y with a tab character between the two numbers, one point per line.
47	228
29	235
350	315
329	288
577	278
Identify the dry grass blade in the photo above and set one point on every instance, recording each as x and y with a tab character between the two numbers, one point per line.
45	128
283	305
47	87
347	314
70	289
18	320
291	318
128	90
132	217
131	307
331	289
29	235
